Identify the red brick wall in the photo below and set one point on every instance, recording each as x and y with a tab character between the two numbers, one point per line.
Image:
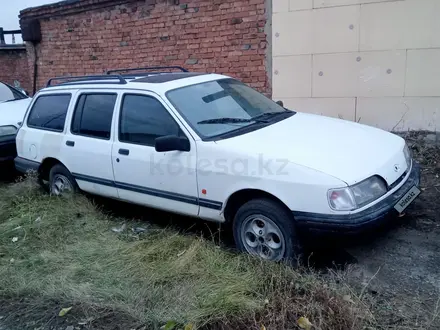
91	36
14	66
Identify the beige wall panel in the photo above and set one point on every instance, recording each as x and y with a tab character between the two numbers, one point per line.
400	114
423	73
336	29
331	3
359	74
400	25
292	33
343	108
375	1
335	75
292	76
280	6
382	73
300	4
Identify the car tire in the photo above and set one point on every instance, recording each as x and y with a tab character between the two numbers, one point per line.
61	181
43	184
265	228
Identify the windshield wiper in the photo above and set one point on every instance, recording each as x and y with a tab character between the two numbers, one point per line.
230	120
270	114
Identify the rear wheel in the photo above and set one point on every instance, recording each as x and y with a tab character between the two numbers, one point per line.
61	182
264	228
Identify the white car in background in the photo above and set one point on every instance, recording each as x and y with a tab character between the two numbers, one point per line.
13	105
208	146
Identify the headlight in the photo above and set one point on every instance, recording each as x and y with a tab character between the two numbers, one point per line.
7	130
408	157
368	190
358	195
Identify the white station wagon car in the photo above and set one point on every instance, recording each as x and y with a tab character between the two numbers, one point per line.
208	146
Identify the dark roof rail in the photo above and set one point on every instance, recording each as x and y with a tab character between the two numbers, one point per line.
84	79
147	68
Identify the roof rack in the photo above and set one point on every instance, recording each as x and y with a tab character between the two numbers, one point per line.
83	79
148	68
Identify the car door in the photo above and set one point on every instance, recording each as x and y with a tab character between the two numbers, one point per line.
164	180
87	146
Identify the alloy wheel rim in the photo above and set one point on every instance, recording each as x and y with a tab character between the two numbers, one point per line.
262	237
61	185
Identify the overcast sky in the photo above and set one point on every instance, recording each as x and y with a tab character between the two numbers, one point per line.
9	13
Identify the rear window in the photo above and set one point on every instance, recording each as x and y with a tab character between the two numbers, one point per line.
49	112
93	115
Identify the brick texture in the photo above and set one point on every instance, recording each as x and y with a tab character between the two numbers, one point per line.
91	36
14	66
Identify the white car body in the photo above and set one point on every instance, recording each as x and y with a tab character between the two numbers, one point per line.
12	113
13	105
297	160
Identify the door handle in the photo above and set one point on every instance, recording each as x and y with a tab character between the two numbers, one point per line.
125	152
70	143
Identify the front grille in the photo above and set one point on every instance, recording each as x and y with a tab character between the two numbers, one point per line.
399	180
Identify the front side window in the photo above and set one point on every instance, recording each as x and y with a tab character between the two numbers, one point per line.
8	93
93	115
219	107
143	119
49	112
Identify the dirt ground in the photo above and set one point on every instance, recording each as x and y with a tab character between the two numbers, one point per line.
403	262
399	266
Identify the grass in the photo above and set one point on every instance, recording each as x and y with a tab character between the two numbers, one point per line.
59	252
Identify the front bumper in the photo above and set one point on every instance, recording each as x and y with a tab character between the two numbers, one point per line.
8	149
358	222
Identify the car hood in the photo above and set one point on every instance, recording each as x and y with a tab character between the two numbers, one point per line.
346	150
12	112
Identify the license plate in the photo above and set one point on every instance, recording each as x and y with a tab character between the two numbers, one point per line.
407	199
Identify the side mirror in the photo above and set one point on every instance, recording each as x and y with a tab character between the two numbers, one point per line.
280	103
172	143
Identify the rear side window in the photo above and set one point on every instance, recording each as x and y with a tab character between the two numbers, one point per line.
49	112
93	115
143	119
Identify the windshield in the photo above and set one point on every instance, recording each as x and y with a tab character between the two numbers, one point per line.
217	107
8	93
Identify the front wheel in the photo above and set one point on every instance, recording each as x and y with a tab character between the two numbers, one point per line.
61	182
265	228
